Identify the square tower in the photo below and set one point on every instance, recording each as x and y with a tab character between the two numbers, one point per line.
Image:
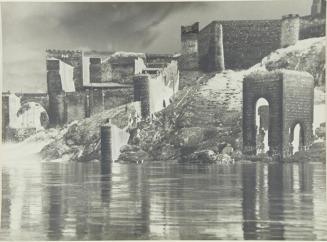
290	98
189	59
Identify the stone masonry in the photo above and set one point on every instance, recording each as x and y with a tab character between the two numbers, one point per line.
290	98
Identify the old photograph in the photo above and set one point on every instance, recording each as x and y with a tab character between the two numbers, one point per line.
158	120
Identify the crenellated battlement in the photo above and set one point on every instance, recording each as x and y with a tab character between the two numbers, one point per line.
68	53
290	16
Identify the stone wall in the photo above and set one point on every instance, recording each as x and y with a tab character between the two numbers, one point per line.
95	70
189	59
211	50
158	60
123	72
5	115
75	106
246	42
116	97
73	58
57	109
311	27
290	30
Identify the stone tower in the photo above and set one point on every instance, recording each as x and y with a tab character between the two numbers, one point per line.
318	7
290	98
189	59
290	30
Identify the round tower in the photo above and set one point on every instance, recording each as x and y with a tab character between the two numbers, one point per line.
142	93
290	30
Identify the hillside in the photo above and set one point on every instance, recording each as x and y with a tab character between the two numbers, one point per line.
204	117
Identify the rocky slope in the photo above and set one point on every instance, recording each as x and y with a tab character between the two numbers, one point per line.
202	124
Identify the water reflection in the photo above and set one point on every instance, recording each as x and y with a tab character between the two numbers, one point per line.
162	200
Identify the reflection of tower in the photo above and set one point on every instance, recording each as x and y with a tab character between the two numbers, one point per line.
276	202
55	206
249	201
5	201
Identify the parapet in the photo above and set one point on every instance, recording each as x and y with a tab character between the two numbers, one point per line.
191	29
63	53
290	30
290	16
53	65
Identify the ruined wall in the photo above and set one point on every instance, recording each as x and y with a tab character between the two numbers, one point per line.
312	26
41	98
57	109
246	42
122	72
189	59
95	70
96	101
155	92
211	50
5	116
290	98
116	97
158	60
73	58
268	86
297	106
75	106
318	8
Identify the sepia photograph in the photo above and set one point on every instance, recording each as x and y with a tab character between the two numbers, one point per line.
178	120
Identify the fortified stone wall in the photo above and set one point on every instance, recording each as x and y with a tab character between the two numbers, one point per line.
211	50
312	26
247	42
73	58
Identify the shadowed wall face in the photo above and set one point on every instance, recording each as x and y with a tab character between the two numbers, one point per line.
247	42
73	58
211	50
189	59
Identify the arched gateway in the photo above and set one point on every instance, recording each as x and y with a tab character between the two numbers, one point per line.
290	98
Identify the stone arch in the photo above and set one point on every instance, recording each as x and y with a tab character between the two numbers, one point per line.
290	98
262	117
33	115
297	143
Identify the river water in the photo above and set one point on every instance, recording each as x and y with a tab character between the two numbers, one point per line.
159	200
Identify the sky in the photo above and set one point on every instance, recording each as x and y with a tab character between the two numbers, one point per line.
28	29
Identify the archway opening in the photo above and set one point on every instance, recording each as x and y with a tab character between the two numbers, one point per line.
297	139
262	125
33	115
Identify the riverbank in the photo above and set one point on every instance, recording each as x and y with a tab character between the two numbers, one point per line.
203	124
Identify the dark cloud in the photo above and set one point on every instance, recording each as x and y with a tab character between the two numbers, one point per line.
30	28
